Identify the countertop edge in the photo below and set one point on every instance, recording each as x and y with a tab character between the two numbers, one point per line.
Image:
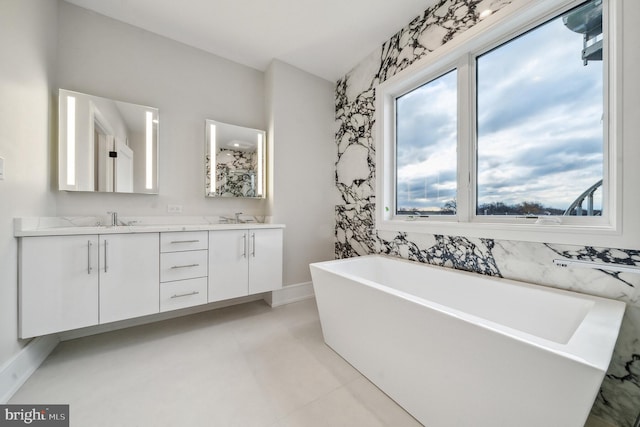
132	229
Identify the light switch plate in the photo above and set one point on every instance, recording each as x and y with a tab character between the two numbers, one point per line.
1	168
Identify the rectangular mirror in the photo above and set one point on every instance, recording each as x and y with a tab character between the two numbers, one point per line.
106	145
235	161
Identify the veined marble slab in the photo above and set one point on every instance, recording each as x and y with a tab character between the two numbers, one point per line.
62	226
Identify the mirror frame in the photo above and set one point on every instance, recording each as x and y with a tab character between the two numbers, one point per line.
71	144
212	145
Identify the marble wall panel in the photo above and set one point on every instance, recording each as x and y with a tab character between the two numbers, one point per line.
355	233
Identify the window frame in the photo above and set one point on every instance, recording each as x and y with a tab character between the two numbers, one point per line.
510	22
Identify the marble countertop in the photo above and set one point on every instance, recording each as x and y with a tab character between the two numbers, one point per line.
66	226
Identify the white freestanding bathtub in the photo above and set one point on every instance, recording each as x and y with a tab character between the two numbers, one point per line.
465	350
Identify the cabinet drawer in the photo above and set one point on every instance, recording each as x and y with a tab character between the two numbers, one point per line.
183	265
183	293
183	241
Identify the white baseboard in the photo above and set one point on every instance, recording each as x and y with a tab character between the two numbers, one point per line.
290	293
17	370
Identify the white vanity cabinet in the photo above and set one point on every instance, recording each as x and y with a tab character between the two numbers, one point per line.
58	284
69	282
183	269
129	276
265	260
75	276
244	262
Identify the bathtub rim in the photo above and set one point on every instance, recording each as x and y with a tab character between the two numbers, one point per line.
591	344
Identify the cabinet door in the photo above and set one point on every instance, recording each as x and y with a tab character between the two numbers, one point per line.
58	284
228	272
265	260
129	276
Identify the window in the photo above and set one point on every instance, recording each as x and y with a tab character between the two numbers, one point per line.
539	112
506	131
426	140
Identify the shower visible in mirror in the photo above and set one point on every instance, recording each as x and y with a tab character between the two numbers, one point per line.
106	145
234	161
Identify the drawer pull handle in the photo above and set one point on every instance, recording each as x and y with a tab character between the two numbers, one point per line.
185	241
185	266
185	295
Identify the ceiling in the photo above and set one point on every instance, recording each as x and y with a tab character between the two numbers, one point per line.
326	38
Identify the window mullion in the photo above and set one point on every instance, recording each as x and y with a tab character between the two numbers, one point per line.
472	119
466	179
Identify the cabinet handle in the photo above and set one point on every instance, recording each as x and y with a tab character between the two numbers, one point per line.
253	247
185	241
244	245
184	295
185	266
106	243
88	256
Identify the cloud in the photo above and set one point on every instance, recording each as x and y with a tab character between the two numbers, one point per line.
426	149
530	76
540	130
427	192
539	123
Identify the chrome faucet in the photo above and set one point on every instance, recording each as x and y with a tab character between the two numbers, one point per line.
114	218
237	214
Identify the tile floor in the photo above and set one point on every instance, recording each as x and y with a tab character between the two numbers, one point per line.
246	366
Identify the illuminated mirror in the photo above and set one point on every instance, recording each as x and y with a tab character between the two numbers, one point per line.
234	161
106	145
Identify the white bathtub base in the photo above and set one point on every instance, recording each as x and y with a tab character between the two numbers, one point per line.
446	371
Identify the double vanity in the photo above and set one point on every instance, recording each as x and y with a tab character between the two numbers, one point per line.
73	276
76	272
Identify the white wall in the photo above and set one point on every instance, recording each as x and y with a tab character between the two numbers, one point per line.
27	48
301	122
105	57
